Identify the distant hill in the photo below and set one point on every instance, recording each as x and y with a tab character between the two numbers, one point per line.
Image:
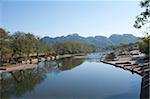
125	38
99	41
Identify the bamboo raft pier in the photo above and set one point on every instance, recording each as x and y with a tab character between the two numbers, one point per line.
130	62
31	63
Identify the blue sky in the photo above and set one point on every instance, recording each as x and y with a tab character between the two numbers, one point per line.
57	18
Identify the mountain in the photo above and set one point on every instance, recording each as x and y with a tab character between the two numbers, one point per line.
125	38
99	41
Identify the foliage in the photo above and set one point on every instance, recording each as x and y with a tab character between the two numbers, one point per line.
22	46
124	46
5	46
73	47
143	18
144	45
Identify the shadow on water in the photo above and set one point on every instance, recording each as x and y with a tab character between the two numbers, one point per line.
16	84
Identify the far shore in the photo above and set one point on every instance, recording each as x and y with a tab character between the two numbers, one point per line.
31	64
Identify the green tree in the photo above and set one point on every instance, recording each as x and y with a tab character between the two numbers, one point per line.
144	45
142	19
5	47
30	41
19	45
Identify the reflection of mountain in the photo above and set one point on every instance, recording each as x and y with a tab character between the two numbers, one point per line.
18	83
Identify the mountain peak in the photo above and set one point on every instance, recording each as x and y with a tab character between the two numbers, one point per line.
99	41
120	35
74	34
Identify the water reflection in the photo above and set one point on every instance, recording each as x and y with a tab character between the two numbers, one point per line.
93	57
18	83
68	64
71	78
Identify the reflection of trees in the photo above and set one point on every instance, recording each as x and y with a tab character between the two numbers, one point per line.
18	83
69	63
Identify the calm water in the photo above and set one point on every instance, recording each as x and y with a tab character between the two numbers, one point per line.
72	79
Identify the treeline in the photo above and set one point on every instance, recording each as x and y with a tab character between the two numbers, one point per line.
124	47
73	47
20	45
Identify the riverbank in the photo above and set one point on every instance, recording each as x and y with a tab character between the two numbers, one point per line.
133	61
31	64
17	67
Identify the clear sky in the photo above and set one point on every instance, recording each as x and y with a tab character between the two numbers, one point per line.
57	18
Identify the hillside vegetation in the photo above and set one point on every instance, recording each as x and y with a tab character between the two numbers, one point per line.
22	46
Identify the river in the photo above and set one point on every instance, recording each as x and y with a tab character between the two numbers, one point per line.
72	78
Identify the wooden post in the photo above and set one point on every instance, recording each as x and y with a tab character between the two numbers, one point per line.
0	76
30	61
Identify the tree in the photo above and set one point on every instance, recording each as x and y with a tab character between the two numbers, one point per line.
30	41
5	47
19	45
144	45
142	19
